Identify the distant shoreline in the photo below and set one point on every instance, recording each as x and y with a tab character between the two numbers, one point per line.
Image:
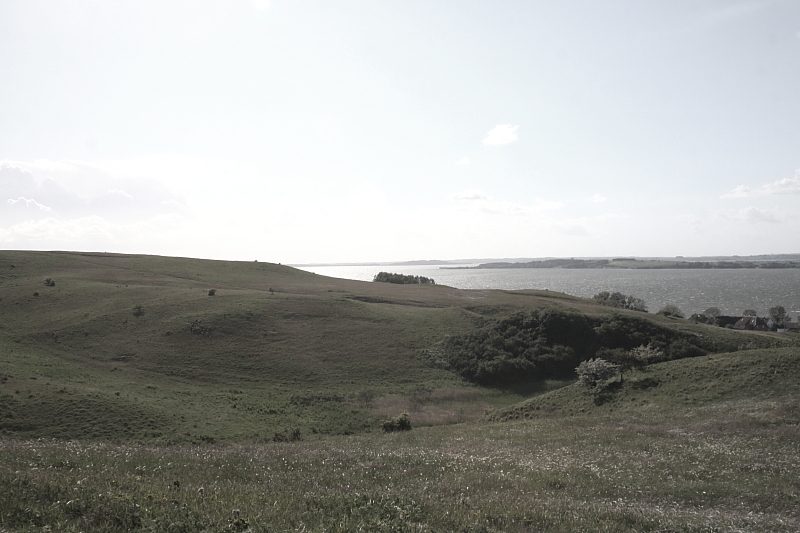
746	261
631	263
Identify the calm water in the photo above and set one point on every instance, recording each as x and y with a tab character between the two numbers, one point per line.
692	291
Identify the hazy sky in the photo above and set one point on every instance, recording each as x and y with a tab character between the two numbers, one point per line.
300	131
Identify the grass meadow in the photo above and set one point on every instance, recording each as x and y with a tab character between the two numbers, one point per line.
133	399
696	472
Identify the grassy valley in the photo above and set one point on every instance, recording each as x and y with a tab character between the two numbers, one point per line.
133	400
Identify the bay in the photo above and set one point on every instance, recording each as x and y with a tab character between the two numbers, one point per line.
692	291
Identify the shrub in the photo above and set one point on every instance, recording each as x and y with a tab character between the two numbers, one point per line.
398	423
648	354
620	301
212	292
550	343
671	310
138	311
50	282
595	371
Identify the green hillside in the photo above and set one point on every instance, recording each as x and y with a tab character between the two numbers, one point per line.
134	348
171	409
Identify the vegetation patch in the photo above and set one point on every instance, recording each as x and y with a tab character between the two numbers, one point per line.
402	279
551	342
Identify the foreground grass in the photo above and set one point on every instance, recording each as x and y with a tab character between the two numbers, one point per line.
725	464
550	475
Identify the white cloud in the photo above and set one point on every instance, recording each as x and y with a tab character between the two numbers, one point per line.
752	215
469	194
463	161
28	204
501	134
261	4
598	199
755	215
77	189
120	194
784	186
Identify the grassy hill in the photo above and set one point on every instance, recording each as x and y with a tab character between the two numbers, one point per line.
167	403
134	348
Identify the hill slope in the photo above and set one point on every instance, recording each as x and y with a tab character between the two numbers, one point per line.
135	348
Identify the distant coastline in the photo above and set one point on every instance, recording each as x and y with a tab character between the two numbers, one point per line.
729	261
633	263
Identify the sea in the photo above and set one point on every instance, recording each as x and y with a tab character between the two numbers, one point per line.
731	290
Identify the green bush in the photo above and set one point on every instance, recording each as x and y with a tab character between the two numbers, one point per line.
551	343
671	310
595	371
620	301
398	423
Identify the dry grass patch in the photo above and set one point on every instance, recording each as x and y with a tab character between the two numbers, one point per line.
433	408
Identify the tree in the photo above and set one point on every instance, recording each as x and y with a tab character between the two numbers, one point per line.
620	301
778	314
712	312
671	310
749	312
595	371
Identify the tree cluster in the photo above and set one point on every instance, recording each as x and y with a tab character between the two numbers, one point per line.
550	343
620	301
671	310
403	279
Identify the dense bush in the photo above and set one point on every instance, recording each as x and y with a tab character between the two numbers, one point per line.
551	343
398	423
671	310
402	279
620	301
595	371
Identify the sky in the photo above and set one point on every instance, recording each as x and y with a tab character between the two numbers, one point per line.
301	131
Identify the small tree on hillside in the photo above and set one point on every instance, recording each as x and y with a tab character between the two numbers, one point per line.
595	371
671	310
644	355
712	312
620	301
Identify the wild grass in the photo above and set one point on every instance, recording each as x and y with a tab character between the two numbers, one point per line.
705	471
168	421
